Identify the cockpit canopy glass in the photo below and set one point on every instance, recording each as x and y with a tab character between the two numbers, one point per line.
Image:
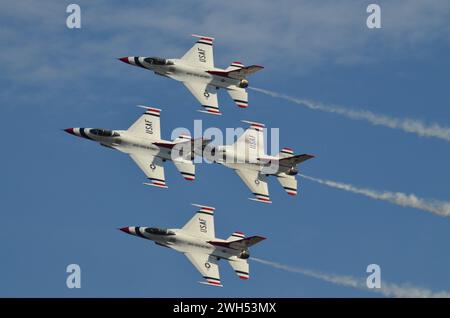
158	231
104	132
157	61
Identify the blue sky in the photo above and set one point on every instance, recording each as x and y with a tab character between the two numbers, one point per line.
63	198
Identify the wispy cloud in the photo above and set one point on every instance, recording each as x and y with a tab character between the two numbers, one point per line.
301	33
387	289
440	208
405	124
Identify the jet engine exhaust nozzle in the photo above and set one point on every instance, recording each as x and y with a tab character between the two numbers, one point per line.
243	83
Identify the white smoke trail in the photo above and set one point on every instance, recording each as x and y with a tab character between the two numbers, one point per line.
407	200
406	124
387	289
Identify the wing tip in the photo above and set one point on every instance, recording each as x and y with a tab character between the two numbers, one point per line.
163	186
253	123
268	201
211	284
218	113
261	237
201	206
149	108
209	38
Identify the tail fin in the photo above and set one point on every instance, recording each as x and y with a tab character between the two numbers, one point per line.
241	267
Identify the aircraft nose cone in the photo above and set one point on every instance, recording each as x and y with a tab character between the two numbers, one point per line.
124	59
125	230
69	131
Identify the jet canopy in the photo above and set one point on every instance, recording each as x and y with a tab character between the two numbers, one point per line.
158	231
157	61
104	132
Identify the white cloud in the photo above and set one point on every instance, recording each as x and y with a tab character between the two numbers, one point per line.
281	33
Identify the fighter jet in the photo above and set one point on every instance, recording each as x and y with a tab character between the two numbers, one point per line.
142	141
197	241
197	72
247	158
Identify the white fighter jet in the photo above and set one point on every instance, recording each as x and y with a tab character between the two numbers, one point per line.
197	240
142	141
197	72
247	158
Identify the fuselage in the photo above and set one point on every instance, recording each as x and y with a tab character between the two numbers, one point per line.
182	242
182	71
123	141
229	156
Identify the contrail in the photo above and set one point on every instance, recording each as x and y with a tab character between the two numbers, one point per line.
387	289
440	208
406	124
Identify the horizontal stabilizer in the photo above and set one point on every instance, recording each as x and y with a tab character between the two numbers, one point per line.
240	267
294	160
289	183
163	144
186	168
239	96
238	74
245	71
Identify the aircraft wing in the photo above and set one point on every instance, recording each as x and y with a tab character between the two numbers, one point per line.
207	266
206	94
148	125
201	53
257	183
152	167
201	224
